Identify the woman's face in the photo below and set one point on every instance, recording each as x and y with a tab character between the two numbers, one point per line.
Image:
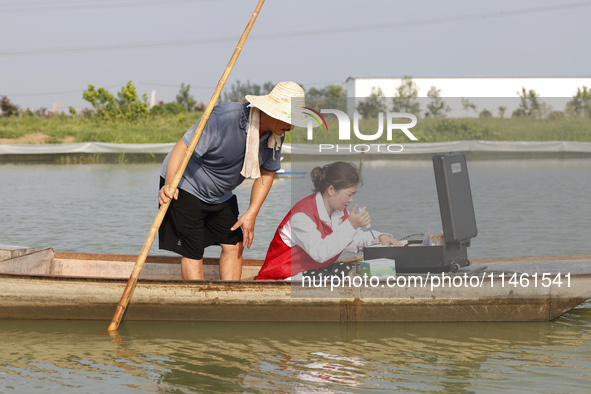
339	199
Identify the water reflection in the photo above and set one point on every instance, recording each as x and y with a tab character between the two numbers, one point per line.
250	357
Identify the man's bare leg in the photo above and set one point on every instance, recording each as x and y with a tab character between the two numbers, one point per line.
192	269
231	261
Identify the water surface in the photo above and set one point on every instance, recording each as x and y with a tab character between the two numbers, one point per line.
522	207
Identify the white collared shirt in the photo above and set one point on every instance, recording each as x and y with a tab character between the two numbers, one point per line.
302	231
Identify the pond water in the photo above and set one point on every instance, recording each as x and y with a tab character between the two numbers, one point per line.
522	207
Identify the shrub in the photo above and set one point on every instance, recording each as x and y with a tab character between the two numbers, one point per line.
128	107
8	108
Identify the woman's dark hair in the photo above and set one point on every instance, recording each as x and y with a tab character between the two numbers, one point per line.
339	174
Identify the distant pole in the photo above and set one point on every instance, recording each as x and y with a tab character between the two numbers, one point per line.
153	99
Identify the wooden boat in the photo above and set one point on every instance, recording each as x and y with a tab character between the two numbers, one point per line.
56	285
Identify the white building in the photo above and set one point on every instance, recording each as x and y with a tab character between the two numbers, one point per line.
487	93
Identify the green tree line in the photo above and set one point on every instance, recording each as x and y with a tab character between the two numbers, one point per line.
126	117
530	106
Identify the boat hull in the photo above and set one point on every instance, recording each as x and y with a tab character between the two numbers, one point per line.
50	296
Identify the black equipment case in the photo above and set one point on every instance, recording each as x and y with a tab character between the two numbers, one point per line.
457	219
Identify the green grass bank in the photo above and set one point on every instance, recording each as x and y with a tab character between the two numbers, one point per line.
61	129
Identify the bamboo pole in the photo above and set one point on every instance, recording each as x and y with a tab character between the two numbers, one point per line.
118	317
361	163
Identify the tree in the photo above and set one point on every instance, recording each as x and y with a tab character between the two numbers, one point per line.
102	101
502	110
468	105
8	108
484	114
580	105
437	107
41	112
238	90
373	105
131	106
128	107
530	105
185	99
331	96
406	94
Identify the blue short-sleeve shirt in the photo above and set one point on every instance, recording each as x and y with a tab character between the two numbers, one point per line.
213	171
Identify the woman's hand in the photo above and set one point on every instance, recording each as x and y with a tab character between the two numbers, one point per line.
359	219
164	195
388	240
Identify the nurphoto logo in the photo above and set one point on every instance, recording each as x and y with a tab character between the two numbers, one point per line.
344	128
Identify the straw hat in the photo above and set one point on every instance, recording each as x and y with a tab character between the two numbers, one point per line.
278	104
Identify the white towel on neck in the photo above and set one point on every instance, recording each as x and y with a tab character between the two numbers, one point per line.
251	168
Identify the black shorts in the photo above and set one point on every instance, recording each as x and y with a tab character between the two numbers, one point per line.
190	225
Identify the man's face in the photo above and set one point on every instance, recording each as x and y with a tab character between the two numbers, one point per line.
277	126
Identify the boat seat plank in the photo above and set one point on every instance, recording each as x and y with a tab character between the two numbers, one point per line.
36	263
10	251
123	269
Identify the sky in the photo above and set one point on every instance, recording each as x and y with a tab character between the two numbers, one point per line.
53	49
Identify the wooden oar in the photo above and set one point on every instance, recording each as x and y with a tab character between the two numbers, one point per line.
177	177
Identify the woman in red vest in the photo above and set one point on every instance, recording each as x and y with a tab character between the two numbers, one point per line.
318	228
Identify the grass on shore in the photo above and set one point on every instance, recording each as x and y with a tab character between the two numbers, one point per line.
171	128
64	128
458	129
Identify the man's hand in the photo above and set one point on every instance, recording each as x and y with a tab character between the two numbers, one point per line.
247	222
164	195
389	241
260	189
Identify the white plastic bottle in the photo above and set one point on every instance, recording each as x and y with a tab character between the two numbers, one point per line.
431	240
440	241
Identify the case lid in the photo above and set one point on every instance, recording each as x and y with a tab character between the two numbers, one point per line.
455	197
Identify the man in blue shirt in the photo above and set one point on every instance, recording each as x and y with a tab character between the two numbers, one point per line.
239	140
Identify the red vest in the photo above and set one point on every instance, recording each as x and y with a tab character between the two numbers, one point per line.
283	261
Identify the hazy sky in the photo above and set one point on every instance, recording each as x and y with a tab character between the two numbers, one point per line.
52	49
